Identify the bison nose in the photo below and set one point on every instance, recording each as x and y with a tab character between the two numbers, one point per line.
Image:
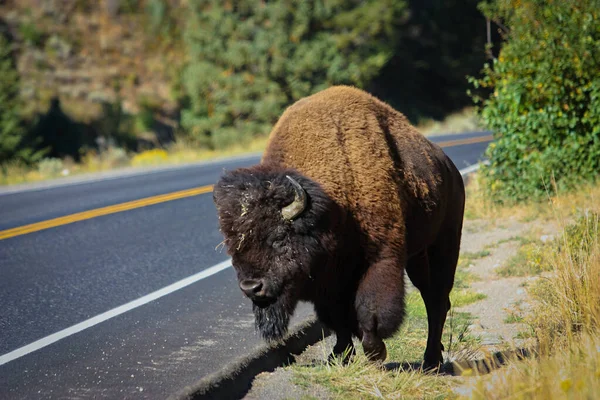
251	287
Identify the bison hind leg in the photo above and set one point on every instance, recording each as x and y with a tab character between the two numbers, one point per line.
432	272
373	346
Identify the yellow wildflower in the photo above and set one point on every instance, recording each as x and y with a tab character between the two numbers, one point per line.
566	384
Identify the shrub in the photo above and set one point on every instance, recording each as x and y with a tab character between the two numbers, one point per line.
545	103
50	167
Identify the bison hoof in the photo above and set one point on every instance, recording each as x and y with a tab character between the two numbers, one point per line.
378	354
432	365
342	357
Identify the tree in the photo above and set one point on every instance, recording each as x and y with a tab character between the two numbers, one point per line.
544	108
11	130
251	58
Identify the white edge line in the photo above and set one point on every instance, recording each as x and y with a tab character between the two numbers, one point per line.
469	169
55	337
88	323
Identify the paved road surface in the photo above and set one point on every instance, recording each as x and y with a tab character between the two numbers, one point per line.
53	279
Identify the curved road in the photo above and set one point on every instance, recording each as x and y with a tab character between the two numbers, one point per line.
98	308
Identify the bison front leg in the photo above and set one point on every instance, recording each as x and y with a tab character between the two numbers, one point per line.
380	306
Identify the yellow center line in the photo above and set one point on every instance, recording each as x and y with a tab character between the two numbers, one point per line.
458	142
82	216
148	201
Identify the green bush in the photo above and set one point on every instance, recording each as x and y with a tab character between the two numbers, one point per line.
249	58
31	34
544	107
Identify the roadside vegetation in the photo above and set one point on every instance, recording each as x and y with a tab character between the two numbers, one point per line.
90	85
465	120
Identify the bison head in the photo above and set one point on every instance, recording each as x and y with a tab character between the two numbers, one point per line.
276	226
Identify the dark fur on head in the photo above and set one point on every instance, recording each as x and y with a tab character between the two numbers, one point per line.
286	254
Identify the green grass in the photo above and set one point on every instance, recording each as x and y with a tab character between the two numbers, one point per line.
467	257
464	297
518	238
530	260
515	314
463	279
514	318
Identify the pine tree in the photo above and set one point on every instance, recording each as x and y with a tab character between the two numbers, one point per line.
251	58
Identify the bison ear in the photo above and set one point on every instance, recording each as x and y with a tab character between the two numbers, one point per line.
296	207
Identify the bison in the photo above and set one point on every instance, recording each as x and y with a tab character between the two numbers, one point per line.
346	198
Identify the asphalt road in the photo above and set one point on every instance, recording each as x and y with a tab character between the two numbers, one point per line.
56	278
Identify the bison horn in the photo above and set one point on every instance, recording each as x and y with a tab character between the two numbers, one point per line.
296	207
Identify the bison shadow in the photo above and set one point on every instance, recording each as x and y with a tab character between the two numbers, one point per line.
479	366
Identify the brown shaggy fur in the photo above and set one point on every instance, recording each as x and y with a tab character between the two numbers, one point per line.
393	202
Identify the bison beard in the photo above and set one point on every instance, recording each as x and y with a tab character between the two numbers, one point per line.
272	320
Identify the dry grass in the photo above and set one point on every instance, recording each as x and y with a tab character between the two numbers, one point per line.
115	158
531	259
568	301
462	121
364	380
